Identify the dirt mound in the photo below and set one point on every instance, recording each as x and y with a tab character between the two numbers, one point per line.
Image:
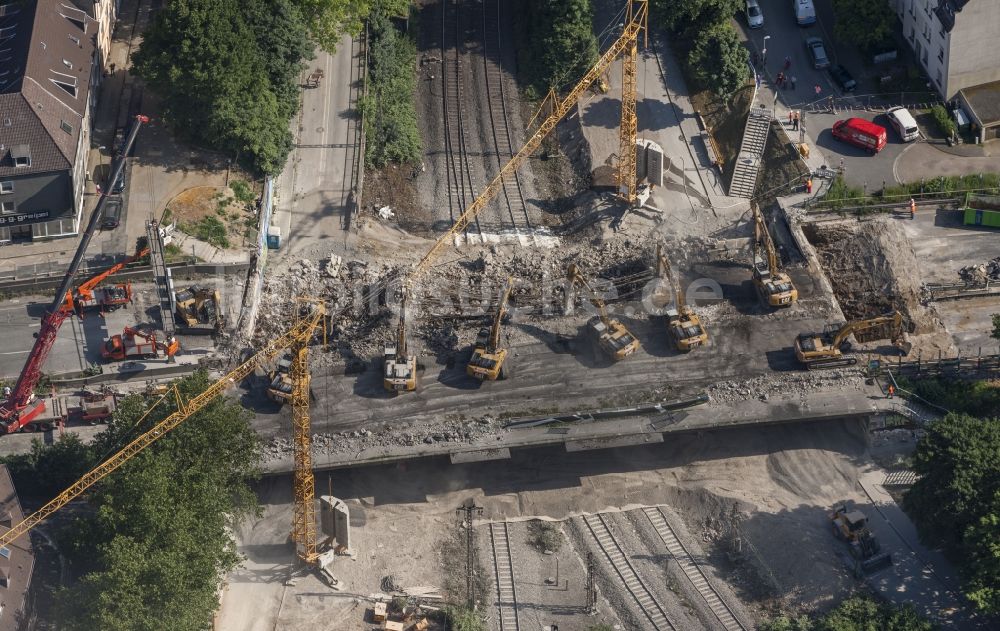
871	267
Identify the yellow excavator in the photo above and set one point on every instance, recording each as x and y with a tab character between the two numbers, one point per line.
823	350
487	361
279	381
399	369
612	336
774	286
683	323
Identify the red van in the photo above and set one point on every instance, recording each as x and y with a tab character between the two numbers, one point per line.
860	133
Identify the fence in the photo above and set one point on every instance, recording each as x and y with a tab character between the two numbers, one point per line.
980	365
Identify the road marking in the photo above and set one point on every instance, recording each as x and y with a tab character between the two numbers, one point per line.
16	352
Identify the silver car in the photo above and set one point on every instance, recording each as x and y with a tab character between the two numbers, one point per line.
818	52
755	17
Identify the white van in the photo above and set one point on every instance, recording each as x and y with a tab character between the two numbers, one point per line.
805	12
904	123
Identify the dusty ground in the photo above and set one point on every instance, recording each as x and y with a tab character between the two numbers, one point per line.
195	204
766	487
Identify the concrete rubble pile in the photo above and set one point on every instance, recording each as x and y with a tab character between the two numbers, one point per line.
982	273
766	386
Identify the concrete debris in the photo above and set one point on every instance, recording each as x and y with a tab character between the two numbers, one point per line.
385	213
765	387
982	273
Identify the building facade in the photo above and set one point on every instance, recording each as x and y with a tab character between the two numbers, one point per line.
17	561
954	41
48	80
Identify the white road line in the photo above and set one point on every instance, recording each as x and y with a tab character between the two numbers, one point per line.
16	352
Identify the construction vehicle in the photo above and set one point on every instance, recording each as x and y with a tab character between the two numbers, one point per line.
97	407
399	372
774	287
303	516
199	309
487	361
137	344
88	294
683	323
21	407
824	350
279	381
627	43
851	526
612	336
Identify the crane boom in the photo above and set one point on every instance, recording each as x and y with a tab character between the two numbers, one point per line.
560	109
18	409
300	333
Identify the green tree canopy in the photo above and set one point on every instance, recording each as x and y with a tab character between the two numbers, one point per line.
864	23
692	16
858	613
159	542
330	20
560	44
719	60
226	72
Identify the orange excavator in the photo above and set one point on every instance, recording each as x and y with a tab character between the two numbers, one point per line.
88	294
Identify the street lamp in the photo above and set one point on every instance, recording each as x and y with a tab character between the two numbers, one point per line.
763	52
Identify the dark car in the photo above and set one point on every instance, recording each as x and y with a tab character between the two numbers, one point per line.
818	52
119	184
112	213
843	78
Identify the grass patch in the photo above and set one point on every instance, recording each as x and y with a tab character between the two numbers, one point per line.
842	195
209	230
545	536
243	192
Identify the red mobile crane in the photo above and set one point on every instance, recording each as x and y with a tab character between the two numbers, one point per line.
21	407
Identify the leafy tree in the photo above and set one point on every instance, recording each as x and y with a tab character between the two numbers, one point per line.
983	557
858	613
48	469
719	60
691	16
226	71
159	541
560	44
330	20
863	23
996	327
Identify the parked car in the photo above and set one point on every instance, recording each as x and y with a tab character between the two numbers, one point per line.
818	52
843	78
755	17
904	123
860	133
805	12
119	184
112	213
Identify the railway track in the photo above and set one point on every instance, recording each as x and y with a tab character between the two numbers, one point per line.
693	571
460	190
496	98
504	577
648	605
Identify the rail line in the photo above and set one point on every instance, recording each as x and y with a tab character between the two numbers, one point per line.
504	576
461	192
648	604
499	121
693	571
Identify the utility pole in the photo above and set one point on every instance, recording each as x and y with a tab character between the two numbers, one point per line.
591	585
470	508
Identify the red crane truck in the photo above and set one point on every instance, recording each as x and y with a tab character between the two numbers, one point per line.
137	344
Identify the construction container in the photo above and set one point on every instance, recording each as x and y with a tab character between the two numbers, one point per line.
273	238
982	210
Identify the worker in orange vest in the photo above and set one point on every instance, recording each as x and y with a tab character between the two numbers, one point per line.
809	185
892	390
913	208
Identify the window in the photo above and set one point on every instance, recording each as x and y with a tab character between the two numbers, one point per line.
68	88
6	187
7	208
74	39
66	127
7	32
924	58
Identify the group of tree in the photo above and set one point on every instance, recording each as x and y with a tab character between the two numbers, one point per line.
156	542
717	59
389	110
955	502
226	71
867	25
556	43
858	613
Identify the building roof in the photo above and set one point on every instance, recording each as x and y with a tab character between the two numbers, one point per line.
985	102
946	10
17	561
46	58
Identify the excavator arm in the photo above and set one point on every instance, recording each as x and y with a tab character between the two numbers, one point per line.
401	331
498	318
762	238
577	279
895	319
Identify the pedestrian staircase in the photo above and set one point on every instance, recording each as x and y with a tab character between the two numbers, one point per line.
159	264
751	153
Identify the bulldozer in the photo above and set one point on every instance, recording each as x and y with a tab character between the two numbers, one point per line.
199	308
825	350
774	286
851	525
612	336
399	370
683	323
488	359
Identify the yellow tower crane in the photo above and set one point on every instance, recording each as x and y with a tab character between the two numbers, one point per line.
487	361
635	25
774	286
683	323
627	178
304	520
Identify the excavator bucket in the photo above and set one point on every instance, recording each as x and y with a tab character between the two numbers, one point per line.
877	563
904	345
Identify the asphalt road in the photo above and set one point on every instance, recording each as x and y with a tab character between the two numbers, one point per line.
19	323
